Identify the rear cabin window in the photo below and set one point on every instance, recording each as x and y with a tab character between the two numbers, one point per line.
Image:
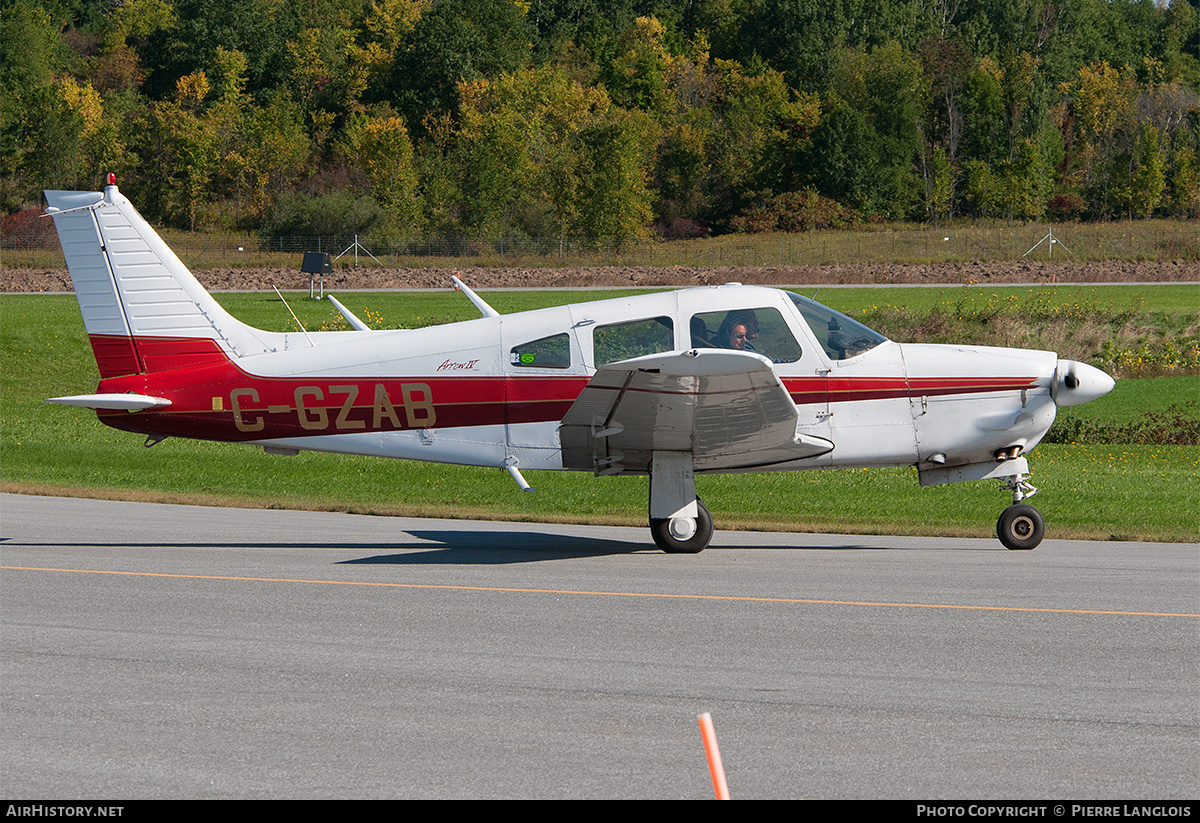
621	341
756	330
552	352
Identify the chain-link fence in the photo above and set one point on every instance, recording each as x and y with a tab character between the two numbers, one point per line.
1157	239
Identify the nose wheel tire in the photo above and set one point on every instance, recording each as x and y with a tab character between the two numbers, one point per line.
1021	527
665	537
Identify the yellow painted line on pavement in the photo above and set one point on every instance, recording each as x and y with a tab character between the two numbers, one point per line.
582	592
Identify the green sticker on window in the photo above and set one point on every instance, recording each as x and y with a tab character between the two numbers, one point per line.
527	357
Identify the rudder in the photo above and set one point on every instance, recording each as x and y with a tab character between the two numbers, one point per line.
142	308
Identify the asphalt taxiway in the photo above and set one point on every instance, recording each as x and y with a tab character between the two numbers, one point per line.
173	651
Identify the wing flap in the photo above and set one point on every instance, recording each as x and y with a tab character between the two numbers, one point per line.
728	408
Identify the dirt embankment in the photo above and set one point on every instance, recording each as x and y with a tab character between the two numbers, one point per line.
1109	271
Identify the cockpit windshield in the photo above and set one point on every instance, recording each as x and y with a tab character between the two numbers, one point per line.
840	336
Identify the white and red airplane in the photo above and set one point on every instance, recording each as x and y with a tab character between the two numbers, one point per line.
706	380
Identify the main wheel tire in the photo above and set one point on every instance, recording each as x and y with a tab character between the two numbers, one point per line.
660	529
1021	527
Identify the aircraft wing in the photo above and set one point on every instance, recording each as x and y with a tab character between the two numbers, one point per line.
728	408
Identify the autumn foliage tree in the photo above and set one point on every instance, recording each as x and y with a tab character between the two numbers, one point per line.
579	120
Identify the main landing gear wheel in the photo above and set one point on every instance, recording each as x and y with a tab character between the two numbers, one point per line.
677	540
1021	527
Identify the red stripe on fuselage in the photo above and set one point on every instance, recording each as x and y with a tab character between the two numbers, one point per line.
856	389
541	399
222	401
212	398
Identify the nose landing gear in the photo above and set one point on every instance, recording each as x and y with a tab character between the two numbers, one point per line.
1020	526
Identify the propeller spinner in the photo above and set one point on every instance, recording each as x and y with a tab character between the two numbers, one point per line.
1076	383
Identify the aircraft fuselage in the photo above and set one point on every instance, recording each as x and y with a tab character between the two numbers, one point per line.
718	379
452	393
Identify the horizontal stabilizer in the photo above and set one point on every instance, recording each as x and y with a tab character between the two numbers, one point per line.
117	402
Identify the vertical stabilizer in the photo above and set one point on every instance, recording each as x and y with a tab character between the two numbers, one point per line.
142	308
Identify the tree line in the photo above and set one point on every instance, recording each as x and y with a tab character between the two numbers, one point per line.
603	119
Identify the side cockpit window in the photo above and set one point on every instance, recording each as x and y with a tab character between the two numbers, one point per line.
840	336
552	352
622	341
761	330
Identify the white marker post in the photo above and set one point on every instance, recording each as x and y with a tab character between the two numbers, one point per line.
714	756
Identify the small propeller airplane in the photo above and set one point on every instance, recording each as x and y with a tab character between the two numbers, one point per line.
716	379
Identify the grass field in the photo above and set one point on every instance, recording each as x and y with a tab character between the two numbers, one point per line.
964	240
1089	490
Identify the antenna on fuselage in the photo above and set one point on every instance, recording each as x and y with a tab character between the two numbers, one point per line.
480	303
303	330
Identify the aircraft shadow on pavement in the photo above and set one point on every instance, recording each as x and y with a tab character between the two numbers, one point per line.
499	547
482	548
467	548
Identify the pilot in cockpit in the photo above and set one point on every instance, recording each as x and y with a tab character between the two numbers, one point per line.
738	331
